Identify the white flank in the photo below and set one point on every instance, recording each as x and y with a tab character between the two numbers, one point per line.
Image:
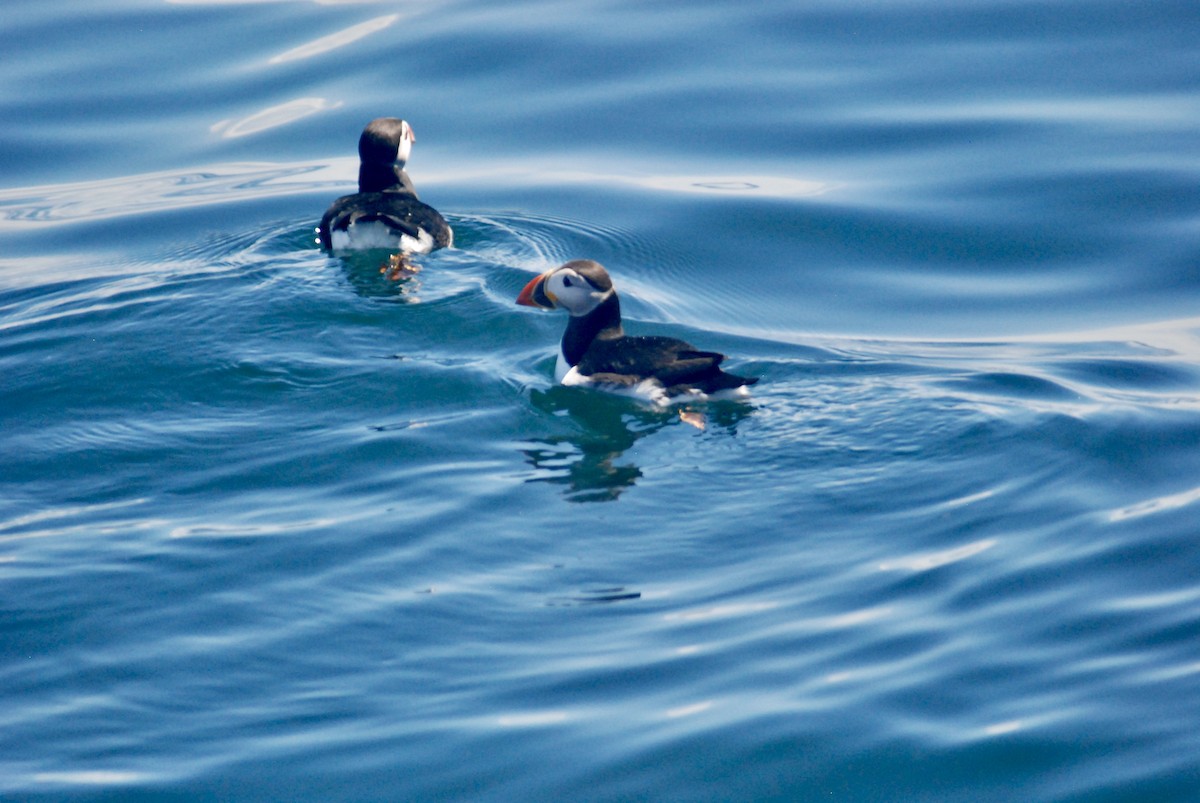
376	234
648	390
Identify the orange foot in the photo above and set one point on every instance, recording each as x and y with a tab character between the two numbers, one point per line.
399	267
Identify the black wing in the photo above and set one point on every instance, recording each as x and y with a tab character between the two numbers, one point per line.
674	363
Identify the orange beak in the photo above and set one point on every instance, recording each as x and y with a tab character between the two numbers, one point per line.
535	295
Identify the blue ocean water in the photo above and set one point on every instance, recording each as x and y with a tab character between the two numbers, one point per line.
273	527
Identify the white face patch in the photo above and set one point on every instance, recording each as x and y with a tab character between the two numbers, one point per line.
573	293
407	138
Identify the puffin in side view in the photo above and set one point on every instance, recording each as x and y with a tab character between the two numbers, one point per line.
385	212
596	351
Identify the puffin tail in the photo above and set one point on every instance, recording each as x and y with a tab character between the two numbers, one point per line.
726	381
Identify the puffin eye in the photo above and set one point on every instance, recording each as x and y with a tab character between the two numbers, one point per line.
566	281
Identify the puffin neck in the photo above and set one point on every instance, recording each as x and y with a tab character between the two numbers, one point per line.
373	177
603	322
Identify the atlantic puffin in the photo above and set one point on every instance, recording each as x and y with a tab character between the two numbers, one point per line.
385	212
596	351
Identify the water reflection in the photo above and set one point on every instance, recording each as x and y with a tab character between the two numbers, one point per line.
335	40
517	171
378	274
256	2
163	191
585	461
273	117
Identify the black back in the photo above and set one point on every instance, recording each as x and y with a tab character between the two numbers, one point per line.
400	211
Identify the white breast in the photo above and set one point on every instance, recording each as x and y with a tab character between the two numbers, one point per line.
562	368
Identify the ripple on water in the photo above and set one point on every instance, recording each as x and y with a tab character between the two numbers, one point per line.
897	548
543	241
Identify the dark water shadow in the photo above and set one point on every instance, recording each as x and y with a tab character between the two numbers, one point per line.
596	596
586	461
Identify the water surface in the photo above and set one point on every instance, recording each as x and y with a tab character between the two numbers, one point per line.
275	527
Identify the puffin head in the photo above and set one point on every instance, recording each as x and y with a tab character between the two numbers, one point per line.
578	286
386	141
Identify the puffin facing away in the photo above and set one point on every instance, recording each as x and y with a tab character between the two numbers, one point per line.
385	212
596	351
